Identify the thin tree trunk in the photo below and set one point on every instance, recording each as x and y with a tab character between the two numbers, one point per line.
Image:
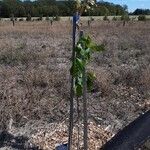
85	116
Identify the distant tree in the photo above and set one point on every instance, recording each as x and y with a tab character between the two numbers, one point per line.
20	11
142	18
125	8
47	18
114	18
35	11
119	10
141	12
54	8
105	18
28	17
12	18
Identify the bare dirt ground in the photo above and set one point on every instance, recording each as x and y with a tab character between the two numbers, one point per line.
34	79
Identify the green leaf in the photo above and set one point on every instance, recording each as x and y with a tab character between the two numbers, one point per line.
95	47
77	67
90	80
79	90
78	48
91	75
79	80
87	40
81	53
88	54
74	69
79	64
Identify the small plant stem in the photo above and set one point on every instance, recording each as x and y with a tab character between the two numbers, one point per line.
71	115
85	116
78	120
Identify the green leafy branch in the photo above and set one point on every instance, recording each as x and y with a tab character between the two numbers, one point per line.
84	49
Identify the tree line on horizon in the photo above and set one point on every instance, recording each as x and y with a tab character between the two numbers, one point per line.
46	8
141	12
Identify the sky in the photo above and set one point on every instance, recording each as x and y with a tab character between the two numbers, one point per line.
132	4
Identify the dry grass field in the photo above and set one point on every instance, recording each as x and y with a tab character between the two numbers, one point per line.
84	18
34	74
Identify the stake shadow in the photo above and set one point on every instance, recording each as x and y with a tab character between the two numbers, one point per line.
16	142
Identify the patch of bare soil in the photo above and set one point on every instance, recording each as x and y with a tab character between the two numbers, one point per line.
49	136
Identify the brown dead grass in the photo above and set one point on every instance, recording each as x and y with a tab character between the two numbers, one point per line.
34	72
